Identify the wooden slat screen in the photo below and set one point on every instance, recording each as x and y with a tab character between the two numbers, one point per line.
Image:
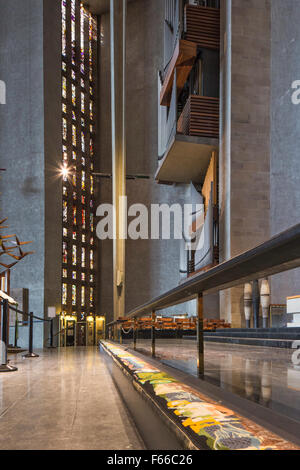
202	25
200	117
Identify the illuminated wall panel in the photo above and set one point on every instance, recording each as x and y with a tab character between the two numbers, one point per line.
79	74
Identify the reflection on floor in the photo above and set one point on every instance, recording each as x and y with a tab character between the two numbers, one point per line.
264	375
63	400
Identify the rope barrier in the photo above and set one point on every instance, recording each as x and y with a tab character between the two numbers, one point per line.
127	332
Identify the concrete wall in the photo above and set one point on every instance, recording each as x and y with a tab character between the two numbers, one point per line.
52	156
22	139
249	180
28	145
285	131
152	267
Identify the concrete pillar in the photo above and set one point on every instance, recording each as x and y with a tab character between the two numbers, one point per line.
244	136
118	96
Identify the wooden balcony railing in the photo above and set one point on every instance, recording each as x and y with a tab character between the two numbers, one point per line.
202	26
200	117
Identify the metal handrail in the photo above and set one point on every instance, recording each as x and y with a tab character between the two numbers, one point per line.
280	253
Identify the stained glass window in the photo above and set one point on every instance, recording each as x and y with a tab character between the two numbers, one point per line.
82	296
92	185
92	259
73	30
74	215
82	103
64	294
74	135
64	129
83	219
74	255
65	153
82	142
64	87
73	95
73	295
79	70
65	253
82	38
65	211
64	27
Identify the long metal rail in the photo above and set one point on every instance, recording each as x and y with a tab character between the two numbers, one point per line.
280	253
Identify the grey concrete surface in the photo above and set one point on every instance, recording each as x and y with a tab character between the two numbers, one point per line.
22	139
285	120
245	180
63	400
152	267
30	146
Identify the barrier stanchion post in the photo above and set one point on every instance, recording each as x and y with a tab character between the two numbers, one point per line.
153	334
120	334
134	334
4	366
16	331
51	335
31	354
200	337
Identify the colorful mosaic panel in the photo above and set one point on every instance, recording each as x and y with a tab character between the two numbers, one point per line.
209	425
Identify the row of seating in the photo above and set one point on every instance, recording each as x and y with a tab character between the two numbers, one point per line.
171	323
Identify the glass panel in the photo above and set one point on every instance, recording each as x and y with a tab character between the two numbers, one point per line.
74	255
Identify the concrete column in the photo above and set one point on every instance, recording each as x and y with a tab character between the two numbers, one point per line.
118	96
244	136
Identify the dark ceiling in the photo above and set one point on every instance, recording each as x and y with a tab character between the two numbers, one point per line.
98	6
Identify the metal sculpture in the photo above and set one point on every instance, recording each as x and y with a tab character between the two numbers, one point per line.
10	248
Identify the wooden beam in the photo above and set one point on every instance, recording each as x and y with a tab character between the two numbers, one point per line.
183	60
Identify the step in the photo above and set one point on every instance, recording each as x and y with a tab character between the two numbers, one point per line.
246	334
264	342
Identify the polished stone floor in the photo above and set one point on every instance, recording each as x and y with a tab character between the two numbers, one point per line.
266	376
63	400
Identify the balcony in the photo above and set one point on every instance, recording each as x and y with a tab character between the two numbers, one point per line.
187	143
200	117
202	26
201	30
